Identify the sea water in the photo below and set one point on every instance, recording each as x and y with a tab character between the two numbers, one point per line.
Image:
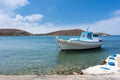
40	55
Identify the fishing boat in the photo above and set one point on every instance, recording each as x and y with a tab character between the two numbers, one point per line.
87	40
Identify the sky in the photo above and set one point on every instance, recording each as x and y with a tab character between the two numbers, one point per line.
43	16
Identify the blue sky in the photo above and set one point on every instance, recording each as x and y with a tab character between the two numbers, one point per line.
71	11
42	16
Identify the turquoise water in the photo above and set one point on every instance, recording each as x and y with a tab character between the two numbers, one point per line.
39	55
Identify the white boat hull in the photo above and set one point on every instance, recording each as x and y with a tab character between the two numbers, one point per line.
77	45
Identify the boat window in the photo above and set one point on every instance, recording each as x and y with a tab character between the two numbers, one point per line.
83	35
89	36
95	35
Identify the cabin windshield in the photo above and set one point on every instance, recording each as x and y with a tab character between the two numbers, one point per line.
86	35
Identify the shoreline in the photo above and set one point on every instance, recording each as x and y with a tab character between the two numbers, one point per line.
60	77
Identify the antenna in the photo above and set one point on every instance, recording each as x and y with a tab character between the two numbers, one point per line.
87	29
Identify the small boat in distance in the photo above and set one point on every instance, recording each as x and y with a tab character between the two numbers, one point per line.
87	40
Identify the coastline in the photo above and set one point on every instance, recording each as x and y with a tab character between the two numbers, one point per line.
60	77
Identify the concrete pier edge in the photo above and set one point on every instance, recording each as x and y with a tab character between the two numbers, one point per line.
60	77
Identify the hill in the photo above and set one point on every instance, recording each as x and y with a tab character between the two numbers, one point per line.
103	34
17	32
14	32
72	32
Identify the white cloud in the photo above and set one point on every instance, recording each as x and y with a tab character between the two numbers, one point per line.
9	19
31	18
117	12
8	6
34	18
110	26
20	21
13	4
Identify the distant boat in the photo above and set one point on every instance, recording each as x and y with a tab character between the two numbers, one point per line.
87	40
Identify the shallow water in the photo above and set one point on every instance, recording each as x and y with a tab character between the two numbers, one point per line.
39	55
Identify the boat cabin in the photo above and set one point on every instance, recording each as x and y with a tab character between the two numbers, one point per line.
88	36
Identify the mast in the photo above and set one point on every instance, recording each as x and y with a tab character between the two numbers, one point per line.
87	29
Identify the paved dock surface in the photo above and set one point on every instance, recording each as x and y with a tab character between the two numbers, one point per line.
60	77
